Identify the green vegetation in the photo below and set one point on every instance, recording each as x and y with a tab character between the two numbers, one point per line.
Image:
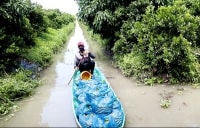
14	87
155	41
47	44
29	38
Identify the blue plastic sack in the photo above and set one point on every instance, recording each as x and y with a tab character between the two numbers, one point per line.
84	108
97	121
102	105
110	122
116	104
117	116
82	98
85	120
97	105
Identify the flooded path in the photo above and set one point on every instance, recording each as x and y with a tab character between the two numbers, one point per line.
51	105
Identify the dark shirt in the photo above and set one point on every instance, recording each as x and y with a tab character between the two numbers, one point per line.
79	57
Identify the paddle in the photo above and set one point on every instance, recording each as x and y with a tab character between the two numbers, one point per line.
72	76
74	72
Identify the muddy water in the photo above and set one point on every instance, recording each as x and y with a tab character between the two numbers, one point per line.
142	103
51	105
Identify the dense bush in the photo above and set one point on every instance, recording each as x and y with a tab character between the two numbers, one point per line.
166	37
22	83
126	38
21	22
14	87
57	18
27	40
16	30
149	39
107	17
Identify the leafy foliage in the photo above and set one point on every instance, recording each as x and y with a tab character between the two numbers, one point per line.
99	15
28	38
15	87
126	37
38	19
57	19
21	22
152	40
166	37
107	17
47	45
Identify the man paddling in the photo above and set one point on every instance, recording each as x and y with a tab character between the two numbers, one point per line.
84	59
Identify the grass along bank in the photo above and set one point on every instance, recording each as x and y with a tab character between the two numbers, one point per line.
23	81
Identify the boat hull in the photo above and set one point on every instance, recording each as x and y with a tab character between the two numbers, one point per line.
95	104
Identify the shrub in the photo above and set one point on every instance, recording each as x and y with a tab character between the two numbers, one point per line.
167	37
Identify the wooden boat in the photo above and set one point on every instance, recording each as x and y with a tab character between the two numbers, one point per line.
95	104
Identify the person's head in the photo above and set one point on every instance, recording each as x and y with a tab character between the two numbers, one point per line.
81	46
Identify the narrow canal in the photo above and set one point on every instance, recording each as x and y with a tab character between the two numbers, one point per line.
51	105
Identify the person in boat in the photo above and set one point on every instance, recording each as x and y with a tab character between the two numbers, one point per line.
84	60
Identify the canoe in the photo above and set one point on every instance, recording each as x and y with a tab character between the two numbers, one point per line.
94	102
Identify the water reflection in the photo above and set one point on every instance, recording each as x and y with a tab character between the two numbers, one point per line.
58	111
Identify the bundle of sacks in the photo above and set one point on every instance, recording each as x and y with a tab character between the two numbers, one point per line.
96	104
